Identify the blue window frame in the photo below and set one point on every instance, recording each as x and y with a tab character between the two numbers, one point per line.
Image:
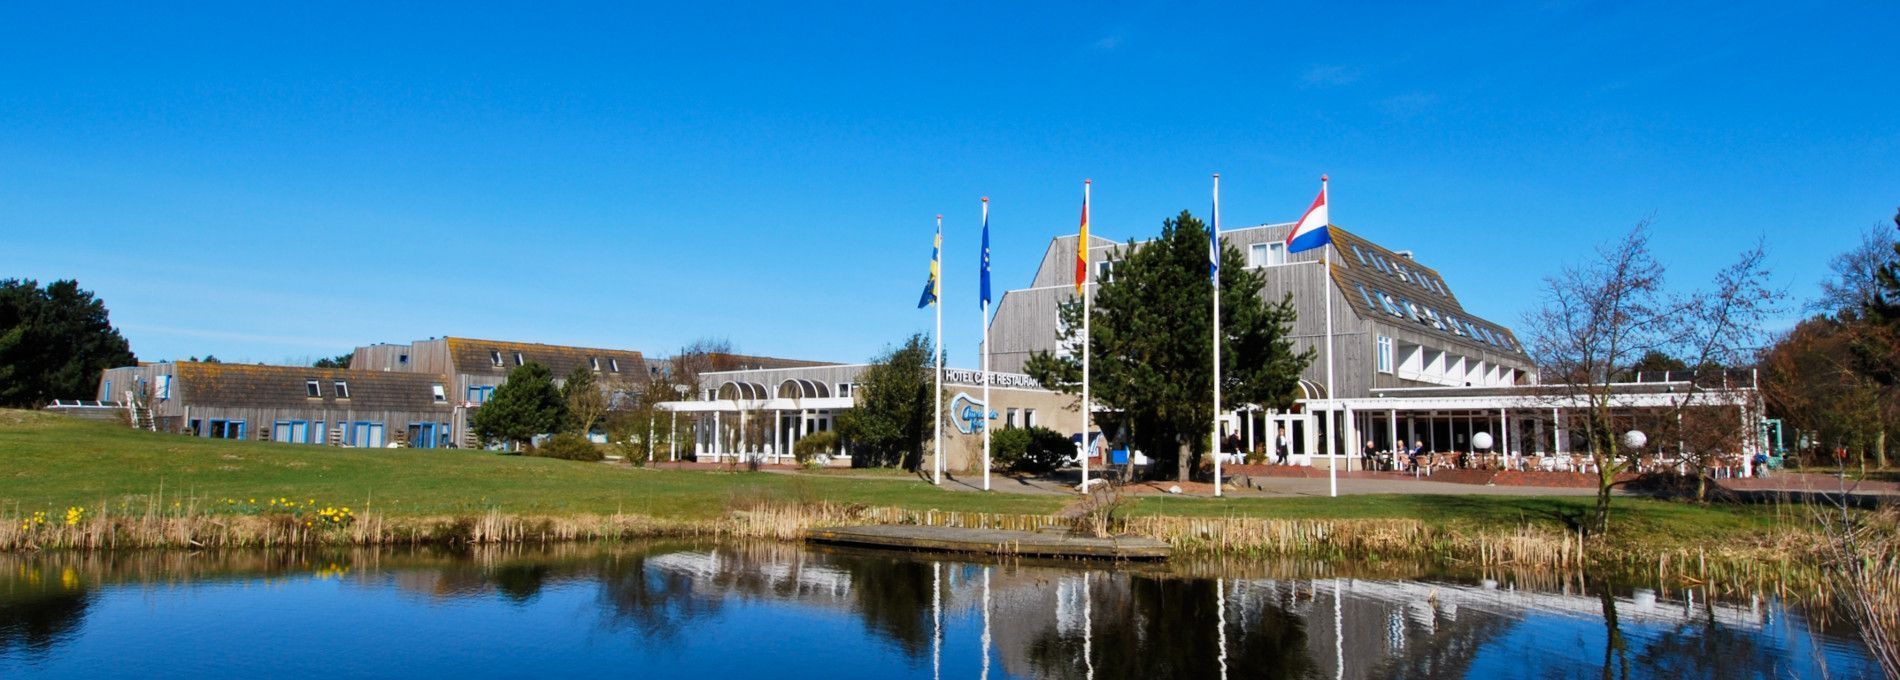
480	394
366	433
225	429
290	431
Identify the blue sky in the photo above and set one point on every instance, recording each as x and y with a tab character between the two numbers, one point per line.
268	183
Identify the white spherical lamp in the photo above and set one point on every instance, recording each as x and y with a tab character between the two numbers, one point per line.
1481	441
1635	439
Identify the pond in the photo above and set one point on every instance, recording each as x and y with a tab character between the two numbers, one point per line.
717	610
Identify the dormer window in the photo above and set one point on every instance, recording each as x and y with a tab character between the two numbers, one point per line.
342	389
613	364
440	394
311	388
494	355
594	363
518	360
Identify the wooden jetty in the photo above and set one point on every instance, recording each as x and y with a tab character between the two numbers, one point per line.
992	541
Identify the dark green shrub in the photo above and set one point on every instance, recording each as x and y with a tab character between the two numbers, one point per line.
1033	450
1007	447
568	446
810	446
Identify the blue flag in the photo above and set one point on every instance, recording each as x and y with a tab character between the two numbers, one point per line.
1213	238
985	278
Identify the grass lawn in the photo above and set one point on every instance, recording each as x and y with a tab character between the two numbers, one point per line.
50	462
1639	519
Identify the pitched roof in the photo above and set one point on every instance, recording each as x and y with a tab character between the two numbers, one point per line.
1363	265
467	355
253	386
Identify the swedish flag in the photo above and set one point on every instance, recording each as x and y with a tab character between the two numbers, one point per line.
933	288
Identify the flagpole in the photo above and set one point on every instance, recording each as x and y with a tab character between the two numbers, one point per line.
1086	274
936	437
986	344
1332	439
1213	254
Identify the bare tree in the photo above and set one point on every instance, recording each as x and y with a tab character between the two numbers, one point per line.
1855	286
1722	328
1599	319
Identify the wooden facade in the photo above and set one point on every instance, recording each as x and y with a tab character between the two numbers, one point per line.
1026	320
289	404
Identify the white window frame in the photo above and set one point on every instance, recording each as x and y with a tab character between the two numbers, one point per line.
313	388
593	364
340	388
1385	354
440	393
518	360
494	355
613	364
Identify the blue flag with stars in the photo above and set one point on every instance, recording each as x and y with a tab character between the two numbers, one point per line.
985	278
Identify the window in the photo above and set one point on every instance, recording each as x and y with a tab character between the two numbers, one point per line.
480	394
441	395
518	360
1360	254
1386	301
1029	417
613	365
1367	296
1266	254
342	389
1385	354
402	359
593	364
1009	418
494	355
312	389
108	396
164	387
1457	325
1409	310
1401	271
1380	261
1105	270
1436	322
844	389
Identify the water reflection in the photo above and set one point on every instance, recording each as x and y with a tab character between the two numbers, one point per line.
769	608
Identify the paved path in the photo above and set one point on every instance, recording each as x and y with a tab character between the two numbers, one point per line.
1064	482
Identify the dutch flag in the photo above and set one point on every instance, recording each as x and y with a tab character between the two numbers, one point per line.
1311	230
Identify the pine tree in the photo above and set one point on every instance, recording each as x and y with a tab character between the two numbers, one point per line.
891	419
54	341
528	404
1151	355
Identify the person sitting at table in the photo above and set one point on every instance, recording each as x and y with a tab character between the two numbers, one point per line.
1418	449
1369	456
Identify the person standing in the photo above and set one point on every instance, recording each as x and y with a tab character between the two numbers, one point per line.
1280	449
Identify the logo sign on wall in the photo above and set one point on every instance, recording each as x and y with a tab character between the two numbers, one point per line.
969	414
